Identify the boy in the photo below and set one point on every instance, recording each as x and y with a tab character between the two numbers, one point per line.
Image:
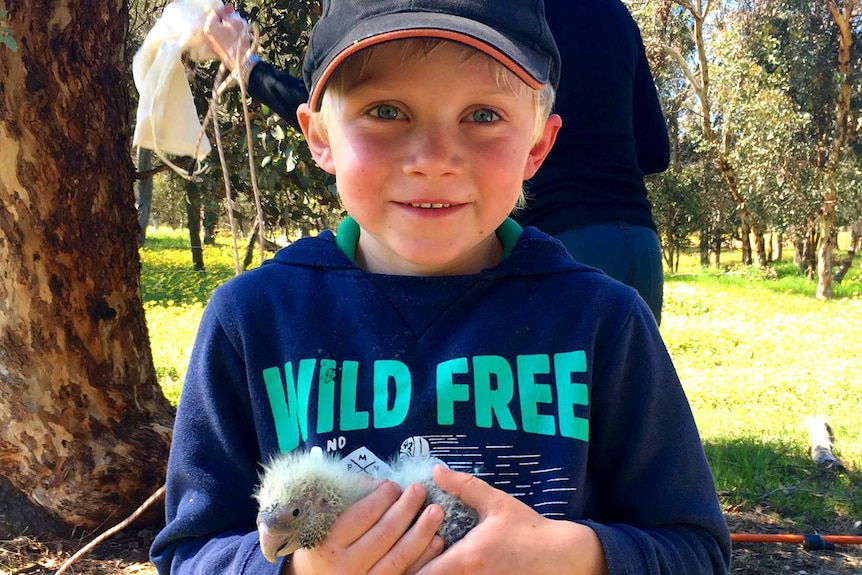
590	192
434	325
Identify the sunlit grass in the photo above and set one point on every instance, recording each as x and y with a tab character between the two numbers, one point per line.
175	295
756	352
757	357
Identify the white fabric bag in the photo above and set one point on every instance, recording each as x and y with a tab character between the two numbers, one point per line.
167	121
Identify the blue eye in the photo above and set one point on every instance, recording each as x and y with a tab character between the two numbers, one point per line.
485	116
385	112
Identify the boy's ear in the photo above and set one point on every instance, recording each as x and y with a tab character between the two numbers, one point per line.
540	149
317	141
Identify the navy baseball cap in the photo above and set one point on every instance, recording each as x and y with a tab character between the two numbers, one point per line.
513	32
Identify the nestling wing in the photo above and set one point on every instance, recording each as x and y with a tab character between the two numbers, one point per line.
458	517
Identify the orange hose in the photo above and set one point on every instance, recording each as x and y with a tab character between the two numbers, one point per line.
766	538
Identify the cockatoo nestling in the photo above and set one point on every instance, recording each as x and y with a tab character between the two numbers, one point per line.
301	494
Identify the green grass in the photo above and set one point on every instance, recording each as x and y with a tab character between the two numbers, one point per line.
174	298
756	352
757	357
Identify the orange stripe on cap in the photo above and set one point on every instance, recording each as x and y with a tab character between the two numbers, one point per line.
512	65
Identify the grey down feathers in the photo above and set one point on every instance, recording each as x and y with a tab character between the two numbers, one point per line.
301	494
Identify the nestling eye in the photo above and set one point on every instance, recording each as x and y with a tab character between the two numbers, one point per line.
385	112
484	116
297	512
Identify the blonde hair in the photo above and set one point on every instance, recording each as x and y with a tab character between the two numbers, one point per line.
352	71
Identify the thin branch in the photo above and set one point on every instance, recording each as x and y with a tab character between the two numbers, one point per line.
146	174
116	528
688	6
683	65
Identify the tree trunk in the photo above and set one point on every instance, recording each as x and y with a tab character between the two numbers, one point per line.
249	250
746	243
759	249
144	200
847	261
806	253
269	245
193	212
780	247
769	245
698	78
801	248
716	249
844	266
211	208
824	255
86	428
855	235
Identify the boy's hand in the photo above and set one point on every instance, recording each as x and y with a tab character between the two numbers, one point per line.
512	538
377	536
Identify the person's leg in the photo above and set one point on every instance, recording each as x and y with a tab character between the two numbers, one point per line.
629	254
647	271
601	246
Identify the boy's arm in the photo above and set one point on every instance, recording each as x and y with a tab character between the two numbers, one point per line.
657	510
653	508
213	465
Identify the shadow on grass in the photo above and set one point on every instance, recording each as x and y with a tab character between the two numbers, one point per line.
168	276
784	278
168	285
780	481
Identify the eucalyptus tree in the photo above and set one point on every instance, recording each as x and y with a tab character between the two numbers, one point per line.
697	67
678	209
844	14
85	428
804	54
764	127
775	109
816	50
671	193
689	196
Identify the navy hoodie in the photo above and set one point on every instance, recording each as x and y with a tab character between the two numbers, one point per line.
541	376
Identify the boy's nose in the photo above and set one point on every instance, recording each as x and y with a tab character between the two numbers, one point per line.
432	152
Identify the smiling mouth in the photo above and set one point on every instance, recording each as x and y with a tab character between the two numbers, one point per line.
430	206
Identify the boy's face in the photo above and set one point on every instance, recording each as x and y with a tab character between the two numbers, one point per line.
430	156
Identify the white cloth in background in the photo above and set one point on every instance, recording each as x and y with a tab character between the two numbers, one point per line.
167	120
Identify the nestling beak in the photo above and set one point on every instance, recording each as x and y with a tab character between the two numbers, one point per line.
275	544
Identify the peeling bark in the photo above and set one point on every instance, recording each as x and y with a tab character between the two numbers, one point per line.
86	427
